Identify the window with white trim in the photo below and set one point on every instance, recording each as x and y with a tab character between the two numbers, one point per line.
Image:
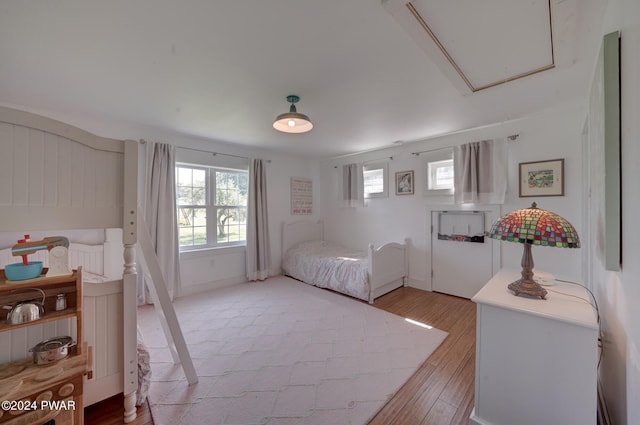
439	172
440	175
375	180
211	205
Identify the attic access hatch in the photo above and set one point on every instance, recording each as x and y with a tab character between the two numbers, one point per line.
479	45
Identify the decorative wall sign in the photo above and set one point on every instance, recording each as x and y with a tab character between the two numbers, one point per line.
301	196
542	178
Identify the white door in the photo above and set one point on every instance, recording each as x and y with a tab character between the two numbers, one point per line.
460	265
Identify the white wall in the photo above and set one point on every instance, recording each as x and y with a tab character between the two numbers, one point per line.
618	293
208	269
556	133
201	270
549	135
213	268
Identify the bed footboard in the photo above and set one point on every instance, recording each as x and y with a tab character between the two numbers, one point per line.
388	268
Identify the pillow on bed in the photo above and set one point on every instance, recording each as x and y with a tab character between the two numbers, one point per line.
308	244
315	248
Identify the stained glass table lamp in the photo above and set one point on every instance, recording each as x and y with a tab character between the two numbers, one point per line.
533	226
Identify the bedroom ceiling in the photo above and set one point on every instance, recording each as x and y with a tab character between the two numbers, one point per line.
461	43
367	72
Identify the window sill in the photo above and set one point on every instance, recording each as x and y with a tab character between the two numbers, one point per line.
376	195
206	252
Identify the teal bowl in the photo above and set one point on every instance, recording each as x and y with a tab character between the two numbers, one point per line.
18	271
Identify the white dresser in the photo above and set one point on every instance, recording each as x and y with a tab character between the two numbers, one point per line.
536	360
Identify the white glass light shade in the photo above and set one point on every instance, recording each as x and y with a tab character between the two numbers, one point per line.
292	122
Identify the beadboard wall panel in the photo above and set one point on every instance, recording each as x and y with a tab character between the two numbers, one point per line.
45	177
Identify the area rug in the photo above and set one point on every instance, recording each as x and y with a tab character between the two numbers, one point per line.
281	352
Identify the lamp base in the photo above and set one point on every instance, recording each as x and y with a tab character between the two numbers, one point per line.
528	287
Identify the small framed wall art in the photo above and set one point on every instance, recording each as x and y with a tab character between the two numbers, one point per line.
541	178
404	182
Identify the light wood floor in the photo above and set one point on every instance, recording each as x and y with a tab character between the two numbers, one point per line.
111	412
439	393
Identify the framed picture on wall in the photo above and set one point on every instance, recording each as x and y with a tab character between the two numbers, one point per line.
542	178
404	182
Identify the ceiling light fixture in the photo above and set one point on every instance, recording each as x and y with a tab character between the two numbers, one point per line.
292	121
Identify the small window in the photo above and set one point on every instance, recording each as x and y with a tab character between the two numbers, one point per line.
375	180
440	175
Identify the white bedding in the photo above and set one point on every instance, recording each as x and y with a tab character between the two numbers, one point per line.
329	265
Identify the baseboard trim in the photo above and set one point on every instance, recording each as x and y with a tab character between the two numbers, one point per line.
425	285
474	420
208	286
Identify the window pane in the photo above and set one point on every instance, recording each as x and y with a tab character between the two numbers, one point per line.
243	183
231	202
191	187
199	178
444	176
228	189
221	189
233	197
185	235
192	226
199	235
225	180
185	176
373	181
232	225
440	175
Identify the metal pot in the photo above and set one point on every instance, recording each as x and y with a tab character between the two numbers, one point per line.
25	311
52	350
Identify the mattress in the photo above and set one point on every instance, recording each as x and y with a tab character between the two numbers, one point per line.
329	265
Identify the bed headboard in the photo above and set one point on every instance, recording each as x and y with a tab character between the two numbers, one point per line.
296	232
103	259
56	176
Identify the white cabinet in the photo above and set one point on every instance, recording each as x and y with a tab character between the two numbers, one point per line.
458	266
536	360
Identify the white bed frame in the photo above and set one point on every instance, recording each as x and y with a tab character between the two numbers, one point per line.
56	176
388	265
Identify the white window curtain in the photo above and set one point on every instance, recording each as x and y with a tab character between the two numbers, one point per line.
159	212
258	249
352	186
480	172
